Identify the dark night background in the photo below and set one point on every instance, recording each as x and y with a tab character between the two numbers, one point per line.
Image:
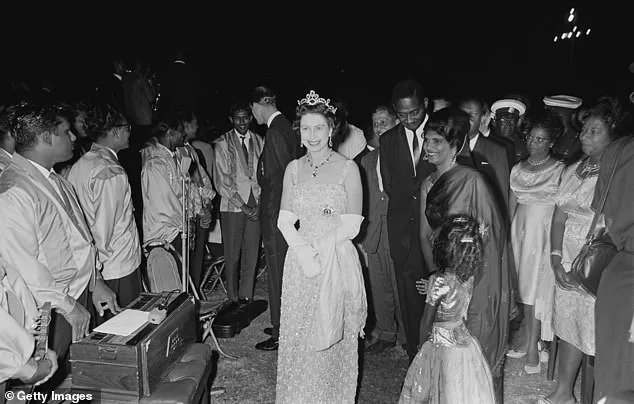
454	49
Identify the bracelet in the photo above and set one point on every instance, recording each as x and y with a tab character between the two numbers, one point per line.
556	252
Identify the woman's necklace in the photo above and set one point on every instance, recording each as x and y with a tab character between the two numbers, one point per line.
538	162
590	168
316	167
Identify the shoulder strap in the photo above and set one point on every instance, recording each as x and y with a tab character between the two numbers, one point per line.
294	166
604	197
344	172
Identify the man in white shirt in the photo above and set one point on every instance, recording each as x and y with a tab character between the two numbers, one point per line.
7	142
43	232
237	154
103	191
162	187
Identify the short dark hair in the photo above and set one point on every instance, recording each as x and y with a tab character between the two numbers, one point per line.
263	95
457	247
613	113
240	105
32	119
451	123
6	122
166	120
101	119
476	100
547	120
384	107
408	88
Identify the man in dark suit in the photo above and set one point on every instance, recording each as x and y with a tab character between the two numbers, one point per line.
111	89
374	242
179	84
403	171
281	146
486	155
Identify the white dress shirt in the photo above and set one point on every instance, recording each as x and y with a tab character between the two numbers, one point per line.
103	191
420	134
473	141
246	137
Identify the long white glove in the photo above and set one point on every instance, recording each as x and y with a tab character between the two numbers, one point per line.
349	228
304	252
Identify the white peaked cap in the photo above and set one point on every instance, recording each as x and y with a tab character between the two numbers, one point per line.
509	105
563	101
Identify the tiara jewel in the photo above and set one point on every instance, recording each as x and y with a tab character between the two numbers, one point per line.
312	98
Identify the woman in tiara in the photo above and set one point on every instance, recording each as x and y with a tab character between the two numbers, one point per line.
323	297
450	367
455	189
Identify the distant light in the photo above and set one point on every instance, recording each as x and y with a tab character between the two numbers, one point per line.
574	28
570	35
556	38
571	17
572	10
578	33
588	31
563	36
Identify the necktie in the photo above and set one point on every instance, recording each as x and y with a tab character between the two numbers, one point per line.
416	149
67	205
244	148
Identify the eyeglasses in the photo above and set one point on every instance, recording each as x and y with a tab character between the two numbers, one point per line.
124	125
538	140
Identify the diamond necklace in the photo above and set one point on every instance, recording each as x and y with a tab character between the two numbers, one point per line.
316	167
539	162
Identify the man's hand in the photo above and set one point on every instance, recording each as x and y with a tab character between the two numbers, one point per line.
49	361
104	296
250	212
79	319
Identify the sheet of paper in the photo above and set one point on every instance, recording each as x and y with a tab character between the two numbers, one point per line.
124	323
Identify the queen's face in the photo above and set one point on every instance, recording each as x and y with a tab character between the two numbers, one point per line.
315	131
437	148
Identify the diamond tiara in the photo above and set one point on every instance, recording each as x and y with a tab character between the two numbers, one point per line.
312	98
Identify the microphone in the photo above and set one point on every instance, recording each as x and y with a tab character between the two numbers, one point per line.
186	161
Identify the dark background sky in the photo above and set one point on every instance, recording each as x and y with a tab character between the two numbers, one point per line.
487	49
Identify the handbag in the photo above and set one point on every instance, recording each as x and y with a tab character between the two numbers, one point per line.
598	251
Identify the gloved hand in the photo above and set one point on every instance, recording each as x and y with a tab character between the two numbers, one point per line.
304	252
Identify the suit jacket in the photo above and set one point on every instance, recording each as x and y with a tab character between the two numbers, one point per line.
179	87
490	158
281	146
111	92
402	185
375	204
138	98
54	254
234	176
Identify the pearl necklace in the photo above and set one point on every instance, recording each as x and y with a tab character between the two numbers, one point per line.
539	162
316	167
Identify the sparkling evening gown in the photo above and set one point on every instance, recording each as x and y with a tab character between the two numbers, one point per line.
450	367
306	373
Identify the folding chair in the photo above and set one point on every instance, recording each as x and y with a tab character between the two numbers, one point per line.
163	275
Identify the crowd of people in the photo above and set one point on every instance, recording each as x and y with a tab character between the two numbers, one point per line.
463	214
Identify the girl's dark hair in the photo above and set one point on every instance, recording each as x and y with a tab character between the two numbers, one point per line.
613	113
547	120
450	123
457	247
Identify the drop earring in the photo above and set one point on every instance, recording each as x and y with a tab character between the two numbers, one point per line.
330	141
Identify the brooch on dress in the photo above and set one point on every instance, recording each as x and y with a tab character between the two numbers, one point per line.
327	211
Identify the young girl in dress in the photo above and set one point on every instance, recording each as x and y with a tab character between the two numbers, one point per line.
449	367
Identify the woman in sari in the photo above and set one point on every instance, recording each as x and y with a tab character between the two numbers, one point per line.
454	189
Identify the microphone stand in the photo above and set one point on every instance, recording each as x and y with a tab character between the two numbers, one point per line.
185	181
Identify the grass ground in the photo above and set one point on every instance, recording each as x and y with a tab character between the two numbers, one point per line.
251	378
